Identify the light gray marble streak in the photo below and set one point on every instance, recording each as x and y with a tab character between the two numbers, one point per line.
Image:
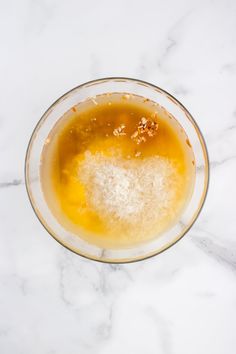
226	131
223	161
171	44
171	41
104	330
21	283
107	274
102	279
229	68
163	330
207	243
206	294
121	268
225	137
230	129
143	68
61	269
181	91
39	15
4	332
94	66
15	182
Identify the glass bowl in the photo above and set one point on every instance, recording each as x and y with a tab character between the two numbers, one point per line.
74	242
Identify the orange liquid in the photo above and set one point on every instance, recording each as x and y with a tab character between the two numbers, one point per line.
84	139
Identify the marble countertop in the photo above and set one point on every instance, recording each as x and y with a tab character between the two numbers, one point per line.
182	301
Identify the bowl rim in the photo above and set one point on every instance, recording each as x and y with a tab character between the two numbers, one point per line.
206	172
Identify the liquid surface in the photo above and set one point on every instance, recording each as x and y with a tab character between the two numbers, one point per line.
117	170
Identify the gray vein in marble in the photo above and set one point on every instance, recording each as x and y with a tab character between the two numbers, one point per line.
121	267
4	332
214	164
229	67
143	68
171	44
52	351
94	66
180	90
61	267
19	282
104	330
226	134
39	15
224	255
205	294
22	283
143	71
14	183
102	286
101	283
162	330
229	129
171	41
98	282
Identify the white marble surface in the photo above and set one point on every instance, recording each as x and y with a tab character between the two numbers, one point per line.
184	300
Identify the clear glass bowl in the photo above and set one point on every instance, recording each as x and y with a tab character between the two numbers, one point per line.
74	242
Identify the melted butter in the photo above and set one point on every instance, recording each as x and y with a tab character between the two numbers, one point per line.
90	126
